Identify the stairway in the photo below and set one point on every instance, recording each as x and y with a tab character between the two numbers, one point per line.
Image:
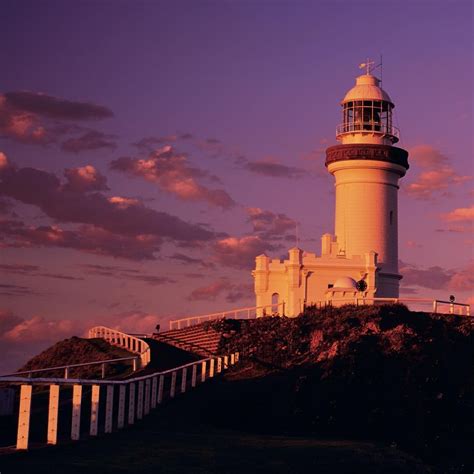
197	339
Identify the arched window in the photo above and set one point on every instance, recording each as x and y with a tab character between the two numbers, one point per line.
275	301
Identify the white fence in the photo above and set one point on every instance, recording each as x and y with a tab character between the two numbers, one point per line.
123	340
136	398
415	304
240	313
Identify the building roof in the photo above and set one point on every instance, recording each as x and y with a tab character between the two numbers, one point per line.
367	88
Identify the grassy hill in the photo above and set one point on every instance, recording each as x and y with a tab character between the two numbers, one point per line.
76	350
382	373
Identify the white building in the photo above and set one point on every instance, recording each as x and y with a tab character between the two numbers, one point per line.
361	258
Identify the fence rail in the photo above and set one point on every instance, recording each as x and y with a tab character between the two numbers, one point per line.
67	368
136	397
245	313
436	306
123	340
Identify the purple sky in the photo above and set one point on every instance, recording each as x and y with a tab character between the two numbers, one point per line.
211	120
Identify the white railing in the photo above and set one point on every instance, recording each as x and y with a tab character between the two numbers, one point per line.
67	368
123	340
240	313
420	304
372	127
136	397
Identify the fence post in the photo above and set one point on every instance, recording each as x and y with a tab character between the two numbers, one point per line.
103	370
24	417
160	388
237	355
173	385
94	409
147	396
140	400
203	372
226	362
154	385
131	404
66	373
183	379
109	409
451	308
76	411
219	365
194	376
53	414
435	306
232	359
211	368
121	407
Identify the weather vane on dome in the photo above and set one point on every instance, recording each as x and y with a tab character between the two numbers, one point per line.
369	65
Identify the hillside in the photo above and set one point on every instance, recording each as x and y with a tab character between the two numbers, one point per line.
76	350
382	373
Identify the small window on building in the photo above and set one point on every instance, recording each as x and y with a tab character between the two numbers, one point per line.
330	285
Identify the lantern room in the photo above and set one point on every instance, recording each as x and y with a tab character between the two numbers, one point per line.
367	114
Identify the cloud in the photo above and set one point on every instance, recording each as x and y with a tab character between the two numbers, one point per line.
124	273
83	179
173	173
187	260
148	144
240	252
438	278
54	107
35	271
90	140
233	292
86	238
22	338
7	289
115	221
437	176
37	118
461	214
270	225
270	168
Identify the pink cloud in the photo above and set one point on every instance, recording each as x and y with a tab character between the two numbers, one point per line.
269	224
90	140
85	178
36	118
438	278
173	173
233	292
270	168
240	252
436	175
459	214
124	220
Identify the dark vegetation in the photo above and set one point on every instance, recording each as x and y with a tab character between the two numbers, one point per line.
76	350
379	372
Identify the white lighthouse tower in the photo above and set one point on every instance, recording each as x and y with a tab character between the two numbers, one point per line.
367	167
361	259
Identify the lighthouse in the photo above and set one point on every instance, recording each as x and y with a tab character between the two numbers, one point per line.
359	261
367	167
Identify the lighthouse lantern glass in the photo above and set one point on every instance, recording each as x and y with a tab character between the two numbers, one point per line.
367	115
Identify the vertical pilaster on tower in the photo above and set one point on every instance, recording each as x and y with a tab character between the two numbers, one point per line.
293	267
261	274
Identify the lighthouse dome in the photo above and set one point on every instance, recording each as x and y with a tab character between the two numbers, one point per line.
367	88
346	283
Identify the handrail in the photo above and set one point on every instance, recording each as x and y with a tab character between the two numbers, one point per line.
362	300
123	340
149	394
165	337
367	127
69	366
190	321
